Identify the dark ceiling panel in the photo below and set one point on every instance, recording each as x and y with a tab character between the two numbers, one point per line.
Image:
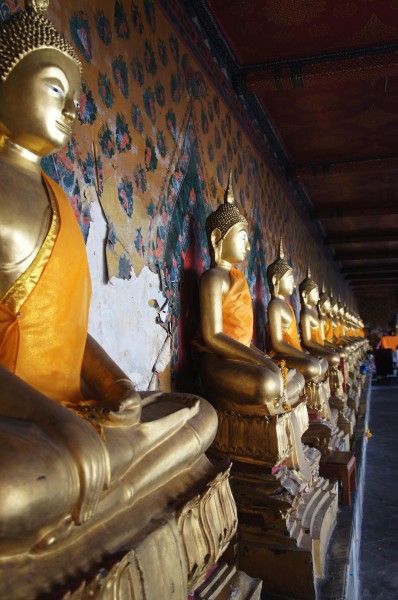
271	30
353	120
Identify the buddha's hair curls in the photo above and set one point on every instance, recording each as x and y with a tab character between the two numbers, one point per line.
30	30
225	216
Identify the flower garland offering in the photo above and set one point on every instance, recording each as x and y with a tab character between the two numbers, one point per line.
284	398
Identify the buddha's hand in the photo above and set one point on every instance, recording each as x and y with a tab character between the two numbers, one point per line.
125	411
121	406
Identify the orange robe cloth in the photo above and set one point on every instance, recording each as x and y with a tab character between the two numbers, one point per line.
290	335
316	333
44	315
237	309
328	330
338	333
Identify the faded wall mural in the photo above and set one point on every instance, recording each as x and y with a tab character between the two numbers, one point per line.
159	130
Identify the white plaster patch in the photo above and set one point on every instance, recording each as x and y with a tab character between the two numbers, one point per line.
121	319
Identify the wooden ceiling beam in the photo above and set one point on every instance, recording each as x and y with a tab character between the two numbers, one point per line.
375	290
373	276
364	238
312	71
366	255
347	166
369	269
354	210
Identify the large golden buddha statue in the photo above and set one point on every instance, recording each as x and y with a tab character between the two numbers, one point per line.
70	458
234	372
312	336
282	324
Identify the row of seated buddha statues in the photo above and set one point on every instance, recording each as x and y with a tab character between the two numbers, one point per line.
346	332
353	339
105	493
309	355
338	400
286	511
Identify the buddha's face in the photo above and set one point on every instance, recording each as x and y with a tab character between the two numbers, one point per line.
235	244
313	297
39	101
286	284
325	307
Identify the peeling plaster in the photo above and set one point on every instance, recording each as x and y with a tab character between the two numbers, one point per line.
123	313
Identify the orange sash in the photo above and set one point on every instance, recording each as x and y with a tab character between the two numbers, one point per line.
237	309
328	330
291	336
338	332
42	337
316	332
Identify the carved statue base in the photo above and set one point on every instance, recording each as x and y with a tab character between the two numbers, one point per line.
346	419
286	511
284	528
325	431
161	546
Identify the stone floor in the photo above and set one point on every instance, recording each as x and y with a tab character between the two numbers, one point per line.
379	542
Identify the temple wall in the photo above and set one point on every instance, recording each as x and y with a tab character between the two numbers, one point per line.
159	129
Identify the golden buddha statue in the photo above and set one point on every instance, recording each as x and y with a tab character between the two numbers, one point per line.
70	458
326	322
235	373
337	327
312	336
282	325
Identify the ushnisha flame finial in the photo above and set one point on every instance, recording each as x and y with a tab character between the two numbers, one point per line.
323	297
29	30
308	272
279	267
281	250
226	215
229	192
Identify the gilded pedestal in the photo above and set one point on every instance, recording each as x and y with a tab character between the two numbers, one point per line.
286	512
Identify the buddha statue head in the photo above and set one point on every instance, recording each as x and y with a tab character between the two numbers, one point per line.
324	304
308	289
340	310
40	82
280	275
226	230
333	306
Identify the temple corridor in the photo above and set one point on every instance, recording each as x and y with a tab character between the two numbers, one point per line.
379	551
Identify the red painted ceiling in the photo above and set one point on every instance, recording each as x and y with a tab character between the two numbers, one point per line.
325	73
259	31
